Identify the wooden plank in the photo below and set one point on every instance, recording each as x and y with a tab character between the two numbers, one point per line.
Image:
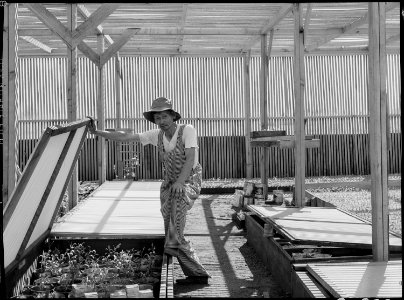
72	190
92	22
377	130
307	24
347	28
360	279
299	83
89	53
283	12
263	113
45	195
280	138
247	103
267	133
101	153
37	43
314	143
115	47
51	22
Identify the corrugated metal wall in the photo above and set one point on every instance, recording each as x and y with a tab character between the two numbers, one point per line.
208	92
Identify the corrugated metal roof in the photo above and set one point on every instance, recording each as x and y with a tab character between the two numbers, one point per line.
213	28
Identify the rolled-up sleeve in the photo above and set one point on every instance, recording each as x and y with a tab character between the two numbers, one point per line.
190	137
149	137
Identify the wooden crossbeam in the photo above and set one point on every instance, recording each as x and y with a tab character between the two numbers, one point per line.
279	138
51	22
393	38
313	143
89	53
307	24
283	12
85	14
114	48
37	43
92	22
348	28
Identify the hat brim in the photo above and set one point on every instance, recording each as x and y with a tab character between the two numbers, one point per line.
148	115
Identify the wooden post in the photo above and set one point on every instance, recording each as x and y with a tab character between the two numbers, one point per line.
118	149
72	188
298	74
249	164
378	130
264	117
10	100
101	153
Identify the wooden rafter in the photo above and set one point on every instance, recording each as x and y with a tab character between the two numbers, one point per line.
283	12
393	38
92	22
89	53
347	29
85	14
114	48
37	43
307	24
182	23
51	22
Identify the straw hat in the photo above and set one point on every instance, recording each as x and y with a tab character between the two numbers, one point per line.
160	104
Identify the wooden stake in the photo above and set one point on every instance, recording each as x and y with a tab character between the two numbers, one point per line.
263	110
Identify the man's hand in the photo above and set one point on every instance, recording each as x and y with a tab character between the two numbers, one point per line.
91	126
177	190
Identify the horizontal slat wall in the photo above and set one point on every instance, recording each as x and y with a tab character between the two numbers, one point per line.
208	92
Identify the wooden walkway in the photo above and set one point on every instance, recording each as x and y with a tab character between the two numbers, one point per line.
116	209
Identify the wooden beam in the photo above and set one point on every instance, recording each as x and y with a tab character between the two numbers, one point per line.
85	14
283	12
393	38
264	116
118	145
377	98
89	53
92	22
313	143
299	82
307	24
115	47
348	28
37	43
181	26
10	100
51	22
101	148
72	188
247	103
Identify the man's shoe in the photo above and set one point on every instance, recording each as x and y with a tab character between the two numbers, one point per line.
193	280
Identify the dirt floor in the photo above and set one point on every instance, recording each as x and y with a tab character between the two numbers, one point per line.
222	248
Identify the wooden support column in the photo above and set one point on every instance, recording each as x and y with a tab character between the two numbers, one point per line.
118	150
72	188
10	101
101	153
264	116
298	75
377	97
249	164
